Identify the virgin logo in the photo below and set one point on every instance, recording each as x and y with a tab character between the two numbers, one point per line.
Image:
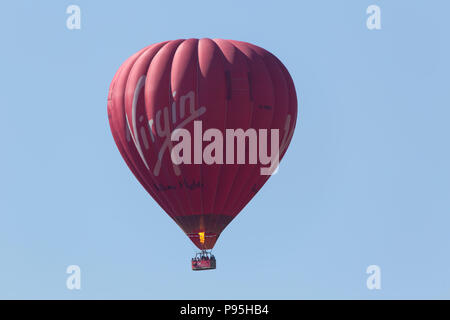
159	127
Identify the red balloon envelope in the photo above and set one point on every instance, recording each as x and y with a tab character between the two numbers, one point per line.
206	88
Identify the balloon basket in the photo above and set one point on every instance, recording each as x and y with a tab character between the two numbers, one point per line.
203	260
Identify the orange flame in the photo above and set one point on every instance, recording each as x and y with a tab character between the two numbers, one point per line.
202	237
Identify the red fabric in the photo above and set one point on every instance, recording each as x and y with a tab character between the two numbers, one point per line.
230	85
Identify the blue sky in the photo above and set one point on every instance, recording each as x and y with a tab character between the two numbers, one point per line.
366	179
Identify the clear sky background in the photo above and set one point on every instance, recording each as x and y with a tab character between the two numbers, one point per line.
366	179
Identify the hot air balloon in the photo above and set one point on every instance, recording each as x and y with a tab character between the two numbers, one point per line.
185	114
